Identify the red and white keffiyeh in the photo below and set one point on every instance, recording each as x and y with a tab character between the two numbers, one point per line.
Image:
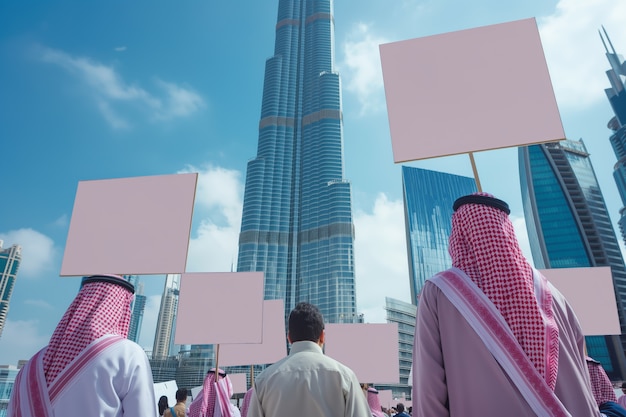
374	402
600	383
483	244
246	402
100	308
214	398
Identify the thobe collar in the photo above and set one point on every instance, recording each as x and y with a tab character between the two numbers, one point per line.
305	346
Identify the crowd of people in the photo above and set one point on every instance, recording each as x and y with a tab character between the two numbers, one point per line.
493	337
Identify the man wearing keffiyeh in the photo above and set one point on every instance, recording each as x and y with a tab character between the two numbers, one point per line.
214	398
492	336
89	368
603	390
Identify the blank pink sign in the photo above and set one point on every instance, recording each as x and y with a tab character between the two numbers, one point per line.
135	225
271	349
239	383
591	295
471	90
220	307
370	350
386	398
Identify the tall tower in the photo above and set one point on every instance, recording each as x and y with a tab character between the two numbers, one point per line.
428	200
617	97
136	319
10	259
569	226
297	217
167	317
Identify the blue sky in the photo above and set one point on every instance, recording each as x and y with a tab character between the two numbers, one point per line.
117	89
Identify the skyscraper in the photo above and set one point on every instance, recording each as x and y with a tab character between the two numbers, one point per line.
167	316
617	97
569	226
428	200
297	217
10	259
136	319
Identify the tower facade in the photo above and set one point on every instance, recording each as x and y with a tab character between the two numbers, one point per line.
136	318
10	259
569	226
428	200
297	217
167	316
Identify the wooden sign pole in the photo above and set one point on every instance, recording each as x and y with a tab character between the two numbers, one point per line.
476	178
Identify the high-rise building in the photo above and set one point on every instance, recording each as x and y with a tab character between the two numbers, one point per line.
10	259
163	337
617	97
136	319
297	217
7	381
404	315
569	226
428	200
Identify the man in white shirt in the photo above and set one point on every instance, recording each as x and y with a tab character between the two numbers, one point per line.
307	383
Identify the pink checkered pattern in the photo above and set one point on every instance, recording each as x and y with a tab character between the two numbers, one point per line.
204	404
483	244
600	383
100	308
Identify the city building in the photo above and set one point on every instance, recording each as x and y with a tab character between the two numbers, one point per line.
164	335
7	380
569	226
136	318
404	315
617	97
428	200
297	217
10	259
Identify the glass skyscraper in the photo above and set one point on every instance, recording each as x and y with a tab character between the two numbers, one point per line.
136	319
569	226
428	200
617	97
297	217
10	259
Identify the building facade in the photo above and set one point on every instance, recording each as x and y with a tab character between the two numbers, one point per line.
136	318
10	259
163	338
297	217
7	380
569	226
428	199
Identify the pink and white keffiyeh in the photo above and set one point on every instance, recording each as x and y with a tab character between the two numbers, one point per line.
246	402
100	308
214	398
374	402
483	245
600	383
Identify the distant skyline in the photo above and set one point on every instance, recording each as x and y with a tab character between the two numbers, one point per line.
118	89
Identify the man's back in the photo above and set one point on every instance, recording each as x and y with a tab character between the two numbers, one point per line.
308	383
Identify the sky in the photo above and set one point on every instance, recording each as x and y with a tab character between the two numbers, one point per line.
101	90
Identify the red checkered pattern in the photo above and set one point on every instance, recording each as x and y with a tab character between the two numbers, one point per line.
600	383
204	404
483	244
100	308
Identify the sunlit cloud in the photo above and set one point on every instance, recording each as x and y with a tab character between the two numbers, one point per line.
109	90
39	252
120	48
38	304
20	339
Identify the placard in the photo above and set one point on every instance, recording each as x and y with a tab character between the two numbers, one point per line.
130	226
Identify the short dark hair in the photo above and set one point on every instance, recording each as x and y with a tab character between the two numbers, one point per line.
181	395
305	323
400	407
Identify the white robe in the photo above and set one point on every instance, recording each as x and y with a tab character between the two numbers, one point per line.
118	382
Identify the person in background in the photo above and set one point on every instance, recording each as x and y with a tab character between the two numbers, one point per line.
374	402
180	408
622	398
525	343
603	390
400	408
163	404
89	367
307	383
214	398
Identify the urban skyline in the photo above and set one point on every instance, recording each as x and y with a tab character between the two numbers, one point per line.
87	103
10	259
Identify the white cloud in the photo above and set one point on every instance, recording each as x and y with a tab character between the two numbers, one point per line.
219	193
361	68
380	258
38	304
62	221
108	89
38	251
20	340
120	48
574	51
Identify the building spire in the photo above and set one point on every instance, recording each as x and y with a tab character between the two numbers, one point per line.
609	40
